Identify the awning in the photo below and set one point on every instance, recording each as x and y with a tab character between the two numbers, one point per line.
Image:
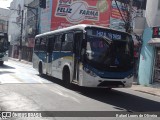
154	41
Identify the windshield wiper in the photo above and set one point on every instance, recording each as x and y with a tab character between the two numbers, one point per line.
107	40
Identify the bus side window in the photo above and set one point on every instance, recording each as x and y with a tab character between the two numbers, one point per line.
57	45
42	46
50	44
67	43
37	43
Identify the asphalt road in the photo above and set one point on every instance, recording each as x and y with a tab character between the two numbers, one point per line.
21	89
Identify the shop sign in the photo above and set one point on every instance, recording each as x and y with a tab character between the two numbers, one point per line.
69	12
156	32
77	12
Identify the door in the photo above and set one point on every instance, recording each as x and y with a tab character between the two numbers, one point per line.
157	66
56	56
78	37
43	53
50	46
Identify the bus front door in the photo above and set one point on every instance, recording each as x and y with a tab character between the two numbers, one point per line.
78	37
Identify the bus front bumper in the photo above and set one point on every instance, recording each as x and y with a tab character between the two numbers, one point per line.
92	81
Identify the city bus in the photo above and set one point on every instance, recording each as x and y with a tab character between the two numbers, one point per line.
4	46
86	55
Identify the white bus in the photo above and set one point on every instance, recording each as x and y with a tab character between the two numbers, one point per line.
86	55
4	46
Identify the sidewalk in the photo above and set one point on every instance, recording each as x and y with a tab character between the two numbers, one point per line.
153	89
23	61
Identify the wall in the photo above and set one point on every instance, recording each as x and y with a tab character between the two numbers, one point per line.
146	59
45	17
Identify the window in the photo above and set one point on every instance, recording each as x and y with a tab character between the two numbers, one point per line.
50	44
57	45
42	46
67	44
37	43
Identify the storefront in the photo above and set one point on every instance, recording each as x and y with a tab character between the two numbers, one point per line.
156	77
155	42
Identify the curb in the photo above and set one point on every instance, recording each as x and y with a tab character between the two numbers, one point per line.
147	92
135	83
22	61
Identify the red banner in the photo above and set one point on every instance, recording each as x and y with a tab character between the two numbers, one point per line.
70	12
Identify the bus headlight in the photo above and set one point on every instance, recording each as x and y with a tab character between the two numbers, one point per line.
90	72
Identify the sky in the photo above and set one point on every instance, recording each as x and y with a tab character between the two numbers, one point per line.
5	3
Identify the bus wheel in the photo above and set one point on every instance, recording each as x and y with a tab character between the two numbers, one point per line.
40	69
1	63
66	78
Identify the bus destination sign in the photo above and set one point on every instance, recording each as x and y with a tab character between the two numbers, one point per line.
109	33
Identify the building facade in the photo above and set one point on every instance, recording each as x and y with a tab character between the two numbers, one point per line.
23	22
149	66
31	27
15	29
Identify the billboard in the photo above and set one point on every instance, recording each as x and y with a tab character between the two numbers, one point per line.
70	12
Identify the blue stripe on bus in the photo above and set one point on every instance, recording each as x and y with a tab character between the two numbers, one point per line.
41	55
53	56
110	75
57	55
102	74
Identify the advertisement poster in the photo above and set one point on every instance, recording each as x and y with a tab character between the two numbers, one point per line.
116	21
71	12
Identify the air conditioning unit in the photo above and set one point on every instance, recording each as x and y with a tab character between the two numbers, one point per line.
139	25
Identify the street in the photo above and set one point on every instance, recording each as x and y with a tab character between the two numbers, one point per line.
22	89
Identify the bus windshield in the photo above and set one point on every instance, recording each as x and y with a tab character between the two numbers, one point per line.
117	56
97	49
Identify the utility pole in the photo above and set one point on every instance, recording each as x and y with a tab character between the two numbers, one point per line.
130	17
7	26
21	37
